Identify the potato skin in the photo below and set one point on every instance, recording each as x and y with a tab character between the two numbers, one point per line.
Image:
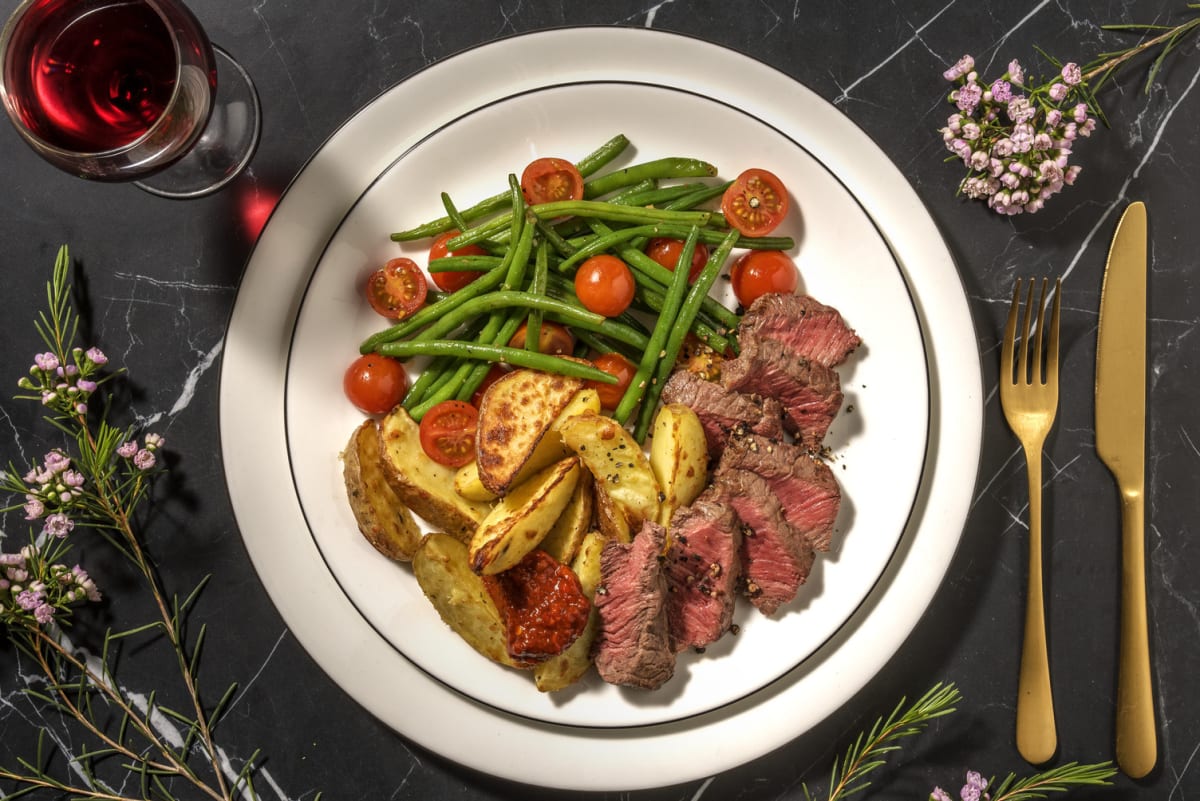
382	517
627	493
514	415
523	518
678	457
462	601
423	485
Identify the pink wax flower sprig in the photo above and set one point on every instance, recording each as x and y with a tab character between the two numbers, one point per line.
1061	779
1015	134
95	483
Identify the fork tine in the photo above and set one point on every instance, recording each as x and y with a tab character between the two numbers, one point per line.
1027	327
1036	376
1052	348
1010	335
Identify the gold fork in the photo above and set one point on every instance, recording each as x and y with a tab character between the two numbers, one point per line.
1030	403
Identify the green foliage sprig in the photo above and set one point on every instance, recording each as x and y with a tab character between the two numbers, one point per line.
96	482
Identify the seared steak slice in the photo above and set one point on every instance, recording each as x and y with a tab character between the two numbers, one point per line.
805	486
633	646
722	410
702	571
809	392
811	329
776	557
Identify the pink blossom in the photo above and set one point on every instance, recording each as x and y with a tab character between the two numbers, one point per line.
96	356
34	508
1015	73
144	459
58	525
1058	92
964	65
968	97
126	450
1072	74
46	361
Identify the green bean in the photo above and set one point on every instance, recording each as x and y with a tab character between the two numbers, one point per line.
653	352
687	312
464	264
503	299
582	208
435	311
659	168
657	196
709	331
537	287
648	267
632	191
619	332
498	353
588	165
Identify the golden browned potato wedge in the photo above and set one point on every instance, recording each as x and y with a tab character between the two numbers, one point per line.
514	415
468	485
626	489
423	485
522	518
678	457
570	666
445	576
572	525
382	518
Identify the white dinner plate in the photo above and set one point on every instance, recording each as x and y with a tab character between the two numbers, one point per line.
864	244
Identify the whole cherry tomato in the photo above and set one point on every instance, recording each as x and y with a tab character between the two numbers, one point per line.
448	433
605	285
375	383
547	180
397	289
756	203
452	280
553	339
666	252
760	272
616	365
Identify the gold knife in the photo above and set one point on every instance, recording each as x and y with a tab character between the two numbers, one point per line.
1121	443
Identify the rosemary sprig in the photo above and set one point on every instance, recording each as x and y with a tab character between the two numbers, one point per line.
865	754
1061	779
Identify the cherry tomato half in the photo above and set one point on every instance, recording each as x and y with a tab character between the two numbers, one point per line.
375	383
448	433
548	179
616	365
761	272
604	285
553	339
453	281
756	203
666	252
397	289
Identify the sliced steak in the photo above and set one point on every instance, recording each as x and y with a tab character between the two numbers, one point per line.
633	645
722	410
702	570
810	392
810	328
805	486
776	557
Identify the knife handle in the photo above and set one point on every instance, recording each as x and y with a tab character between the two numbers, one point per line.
1137	742
1037	735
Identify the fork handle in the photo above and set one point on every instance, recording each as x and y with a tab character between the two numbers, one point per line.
1136	738
1037	735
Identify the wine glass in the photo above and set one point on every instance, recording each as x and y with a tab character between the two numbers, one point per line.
128	90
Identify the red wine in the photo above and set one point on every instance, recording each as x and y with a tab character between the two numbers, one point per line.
97	75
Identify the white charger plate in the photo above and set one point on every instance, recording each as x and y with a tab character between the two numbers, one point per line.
361	618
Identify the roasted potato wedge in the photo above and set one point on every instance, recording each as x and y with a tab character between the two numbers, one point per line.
444	574
514	416
622	472
572	525
572	664
423	485
468	485
522	518
678	457
381	516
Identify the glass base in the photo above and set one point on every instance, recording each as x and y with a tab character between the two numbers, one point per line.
225	147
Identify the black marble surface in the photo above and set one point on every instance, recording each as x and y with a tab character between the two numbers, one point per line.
160	278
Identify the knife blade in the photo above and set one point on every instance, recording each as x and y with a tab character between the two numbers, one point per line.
1120	443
